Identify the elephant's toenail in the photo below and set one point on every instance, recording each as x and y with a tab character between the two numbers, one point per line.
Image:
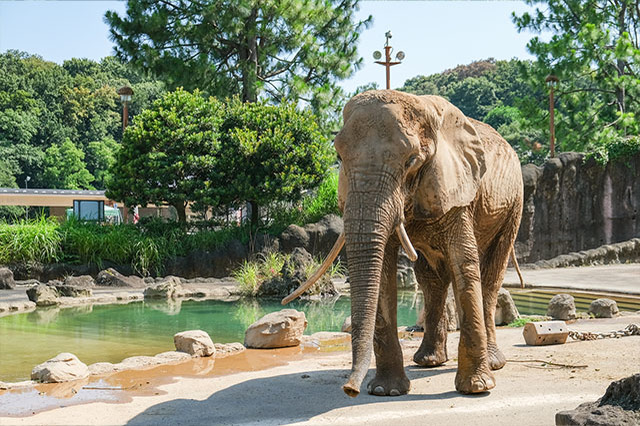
477	387
379	390
394	392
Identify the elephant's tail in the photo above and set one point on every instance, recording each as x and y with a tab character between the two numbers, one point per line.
515	264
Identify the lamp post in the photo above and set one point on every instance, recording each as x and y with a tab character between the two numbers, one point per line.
125	93
552	82
26	186
387	58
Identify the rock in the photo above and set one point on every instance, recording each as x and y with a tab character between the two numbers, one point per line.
228	348
562	307
62	368
506	310
81	281
73	291
604	308
173	356
316	238
293	274
276	330
405	274
101	368
43	295
112	278
165	290
346	325
138	362
6	279
197	343
620	405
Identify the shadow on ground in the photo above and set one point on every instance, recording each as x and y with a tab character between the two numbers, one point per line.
280	399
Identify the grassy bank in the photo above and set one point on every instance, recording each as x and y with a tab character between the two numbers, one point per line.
149	244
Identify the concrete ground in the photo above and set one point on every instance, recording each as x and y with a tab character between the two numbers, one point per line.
623	278
308	390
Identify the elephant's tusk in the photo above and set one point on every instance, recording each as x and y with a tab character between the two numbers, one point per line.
406	243
320	272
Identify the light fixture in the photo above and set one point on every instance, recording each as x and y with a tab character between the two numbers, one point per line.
125	93
400	55
377	55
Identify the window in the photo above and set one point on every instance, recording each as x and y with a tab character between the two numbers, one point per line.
88	210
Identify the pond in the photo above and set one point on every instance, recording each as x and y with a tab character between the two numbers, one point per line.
114	332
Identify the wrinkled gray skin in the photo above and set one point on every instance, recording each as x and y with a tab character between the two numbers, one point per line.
456	185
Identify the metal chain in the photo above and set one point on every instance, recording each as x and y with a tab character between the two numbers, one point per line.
630	330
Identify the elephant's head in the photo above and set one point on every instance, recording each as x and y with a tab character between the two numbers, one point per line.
399	154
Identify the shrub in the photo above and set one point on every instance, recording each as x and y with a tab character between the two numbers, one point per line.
35	240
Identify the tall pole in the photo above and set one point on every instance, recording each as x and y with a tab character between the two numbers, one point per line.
387	63
552	81
125	116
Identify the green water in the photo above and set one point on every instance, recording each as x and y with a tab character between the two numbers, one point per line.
114	332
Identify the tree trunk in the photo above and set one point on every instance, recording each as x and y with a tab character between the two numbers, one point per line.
249	60
255	214
182	214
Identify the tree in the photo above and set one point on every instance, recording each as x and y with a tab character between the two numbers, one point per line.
270	153
169	153
101	156
594	50
64	167
283	50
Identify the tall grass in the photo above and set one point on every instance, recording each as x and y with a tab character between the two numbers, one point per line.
35	240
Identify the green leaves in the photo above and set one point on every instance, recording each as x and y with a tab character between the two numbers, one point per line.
190	149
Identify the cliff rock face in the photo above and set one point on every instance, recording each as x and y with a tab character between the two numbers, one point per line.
572	204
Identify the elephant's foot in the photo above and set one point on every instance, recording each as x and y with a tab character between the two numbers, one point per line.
430	357
474	377
389	385
496	357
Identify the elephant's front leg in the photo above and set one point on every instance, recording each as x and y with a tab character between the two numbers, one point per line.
474	374
390	377
434	285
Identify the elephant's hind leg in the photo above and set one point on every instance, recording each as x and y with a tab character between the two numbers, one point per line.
433	349
390	377
493	269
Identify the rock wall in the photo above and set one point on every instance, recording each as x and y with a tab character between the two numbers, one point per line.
572	204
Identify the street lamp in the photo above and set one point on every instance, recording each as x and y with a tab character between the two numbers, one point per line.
552	81
387	55
125	93
26	186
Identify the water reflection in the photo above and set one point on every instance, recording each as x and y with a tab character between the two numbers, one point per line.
169	306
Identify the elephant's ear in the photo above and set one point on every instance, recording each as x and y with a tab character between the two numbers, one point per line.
452	177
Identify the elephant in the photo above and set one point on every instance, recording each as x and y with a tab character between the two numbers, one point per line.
416	173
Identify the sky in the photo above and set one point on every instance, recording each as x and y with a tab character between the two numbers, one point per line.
435	35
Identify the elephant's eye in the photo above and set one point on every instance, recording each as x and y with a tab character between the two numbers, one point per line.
411	162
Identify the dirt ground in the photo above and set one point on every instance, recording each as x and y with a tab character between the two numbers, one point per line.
307	390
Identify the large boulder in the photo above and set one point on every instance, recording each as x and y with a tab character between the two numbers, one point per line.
604	308
73	291
81	281
506	310
620	405
405	274
562	307
276	330
62	368
43	295
6	279
346	325
196	343
293	274
316	238
164	290
112	278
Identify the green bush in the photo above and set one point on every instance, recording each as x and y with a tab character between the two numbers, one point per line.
35	240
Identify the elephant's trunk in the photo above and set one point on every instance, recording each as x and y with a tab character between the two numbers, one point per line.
369	219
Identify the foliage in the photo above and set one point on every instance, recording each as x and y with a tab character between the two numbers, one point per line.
36	240
594	50
64	167
520	322
42	104
282	50
253	273
170	154
269	154
7	180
